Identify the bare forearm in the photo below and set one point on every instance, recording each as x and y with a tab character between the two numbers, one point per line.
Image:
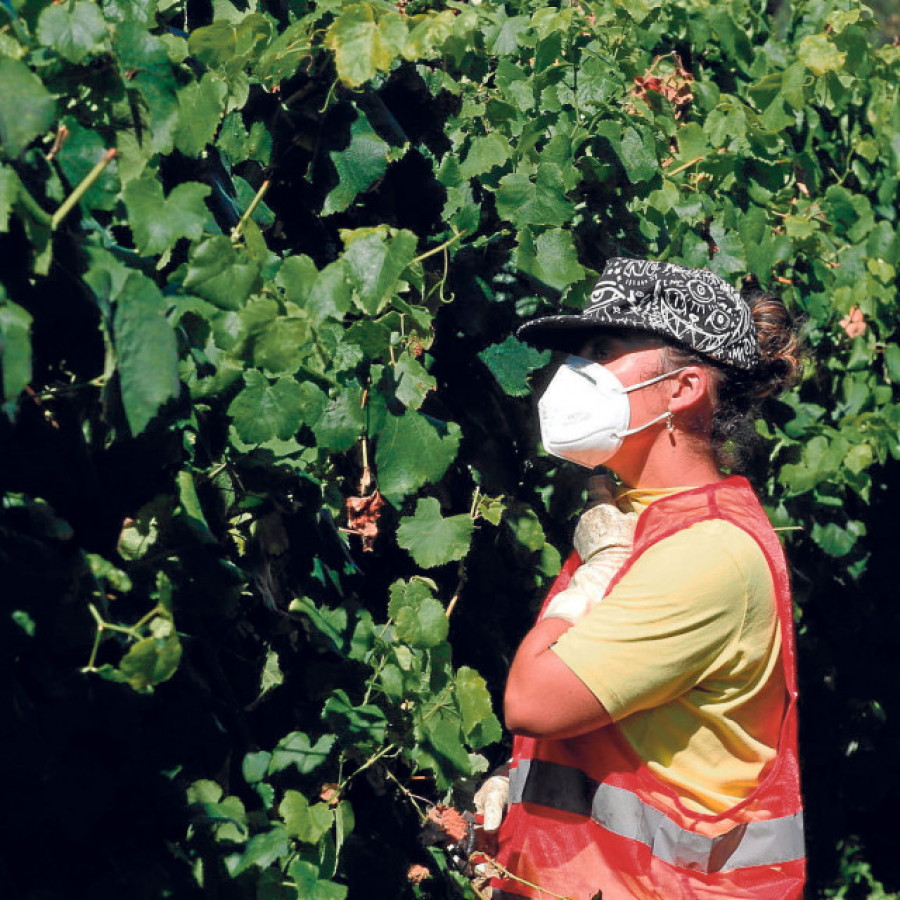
544	698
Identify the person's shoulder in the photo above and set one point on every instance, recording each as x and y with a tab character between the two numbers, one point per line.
719	538
715	550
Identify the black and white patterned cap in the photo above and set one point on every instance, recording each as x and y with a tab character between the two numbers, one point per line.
693	307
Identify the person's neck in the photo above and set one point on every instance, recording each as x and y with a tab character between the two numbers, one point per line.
678	463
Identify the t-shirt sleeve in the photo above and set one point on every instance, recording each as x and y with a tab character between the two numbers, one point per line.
670	620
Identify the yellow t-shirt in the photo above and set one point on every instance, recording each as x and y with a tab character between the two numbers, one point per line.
684	654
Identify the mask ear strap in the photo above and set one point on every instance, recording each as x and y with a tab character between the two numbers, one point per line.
650	381
666	417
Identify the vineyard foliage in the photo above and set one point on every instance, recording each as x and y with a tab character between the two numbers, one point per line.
268	448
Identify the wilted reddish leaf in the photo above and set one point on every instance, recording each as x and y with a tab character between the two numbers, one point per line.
417	874
330	794
362	517
450	821
854	323
674	85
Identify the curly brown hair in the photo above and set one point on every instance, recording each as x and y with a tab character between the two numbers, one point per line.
739	395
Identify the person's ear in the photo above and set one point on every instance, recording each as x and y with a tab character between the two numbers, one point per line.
691	389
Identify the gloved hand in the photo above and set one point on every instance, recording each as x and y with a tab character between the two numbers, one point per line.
603	525
492	798
603	538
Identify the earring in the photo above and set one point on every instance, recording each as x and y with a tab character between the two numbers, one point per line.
670	422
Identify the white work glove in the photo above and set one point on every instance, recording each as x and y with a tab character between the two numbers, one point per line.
603	538
492	798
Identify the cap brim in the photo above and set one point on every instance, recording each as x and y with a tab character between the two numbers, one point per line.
565	333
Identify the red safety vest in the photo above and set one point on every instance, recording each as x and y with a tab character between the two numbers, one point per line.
588	819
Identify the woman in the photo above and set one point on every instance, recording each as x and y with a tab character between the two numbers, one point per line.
655	720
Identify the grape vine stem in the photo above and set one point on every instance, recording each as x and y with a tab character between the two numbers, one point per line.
83	187
257	199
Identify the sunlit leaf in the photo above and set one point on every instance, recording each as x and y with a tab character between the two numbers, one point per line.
512	362
420	619
433	539
359	166
157	222
27	108
74	30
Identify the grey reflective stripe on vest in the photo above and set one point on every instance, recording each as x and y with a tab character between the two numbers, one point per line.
765	842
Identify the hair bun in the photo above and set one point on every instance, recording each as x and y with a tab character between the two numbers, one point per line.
781	352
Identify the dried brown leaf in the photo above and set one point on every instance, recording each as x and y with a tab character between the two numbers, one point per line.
362	517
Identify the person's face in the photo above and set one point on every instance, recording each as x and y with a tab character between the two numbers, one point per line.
632	357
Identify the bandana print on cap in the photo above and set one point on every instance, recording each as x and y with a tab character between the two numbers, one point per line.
694	306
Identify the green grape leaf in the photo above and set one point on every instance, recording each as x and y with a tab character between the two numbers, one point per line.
341	422
375	260
151	661
692	142
9	192
527	529
15	348
73	30
271	676
820	55
859	457
420	619
295	750
324	295
264	410
262	850
203	791
539	202
227	817
329	624
144	64
200	107
484	154
302	821
440	723
413	381
479	723
233	825
27	109
366	723
296	277
431	539
634	148
157	222
891	361
331	294
279	348
363	639
24	621
728	259
213	45
220	274
413	451
255	766
490	509
836	540
282	58
305	876
551	258
359	166
236	144
146	351
512	362
362	45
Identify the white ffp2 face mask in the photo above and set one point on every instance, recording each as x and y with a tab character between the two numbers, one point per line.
585	413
